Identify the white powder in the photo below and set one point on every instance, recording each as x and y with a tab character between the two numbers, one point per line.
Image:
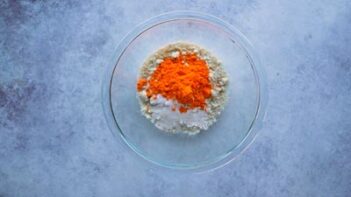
165	118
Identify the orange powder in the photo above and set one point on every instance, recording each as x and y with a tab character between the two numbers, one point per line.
184	79
141	84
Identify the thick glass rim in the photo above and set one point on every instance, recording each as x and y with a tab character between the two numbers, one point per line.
231	154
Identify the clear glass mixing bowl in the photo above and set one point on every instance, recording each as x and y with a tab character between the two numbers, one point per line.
234	129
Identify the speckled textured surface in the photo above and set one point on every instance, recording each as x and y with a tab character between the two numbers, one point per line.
54	140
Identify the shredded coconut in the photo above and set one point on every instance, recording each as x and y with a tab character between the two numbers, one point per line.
165	118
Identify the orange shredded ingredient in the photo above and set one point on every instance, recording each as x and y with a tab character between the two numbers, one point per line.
141	84
182	109
184	79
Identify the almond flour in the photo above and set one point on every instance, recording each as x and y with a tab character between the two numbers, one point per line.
161	111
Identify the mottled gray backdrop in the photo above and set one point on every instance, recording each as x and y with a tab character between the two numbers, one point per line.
54	140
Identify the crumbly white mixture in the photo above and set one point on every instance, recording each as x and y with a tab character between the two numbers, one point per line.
159	110
164	117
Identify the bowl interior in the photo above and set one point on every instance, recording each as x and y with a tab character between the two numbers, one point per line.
179	150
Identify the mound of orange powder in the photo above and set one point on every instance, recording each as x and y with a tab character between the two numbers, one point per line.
184	78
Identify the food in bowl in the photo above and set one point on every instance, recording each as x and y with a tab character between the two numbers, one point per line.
182	88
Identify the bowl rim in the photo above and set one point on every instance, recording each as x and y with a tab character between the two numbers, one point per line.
259	73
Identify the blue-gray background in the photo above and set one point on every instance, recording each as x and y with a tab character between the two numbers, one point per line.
54	140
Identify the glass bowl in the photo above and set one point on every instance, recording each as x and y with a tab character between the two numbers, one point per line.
234	129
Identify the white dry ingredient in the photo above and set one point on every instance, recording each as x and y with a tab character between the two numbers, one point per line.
159	110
